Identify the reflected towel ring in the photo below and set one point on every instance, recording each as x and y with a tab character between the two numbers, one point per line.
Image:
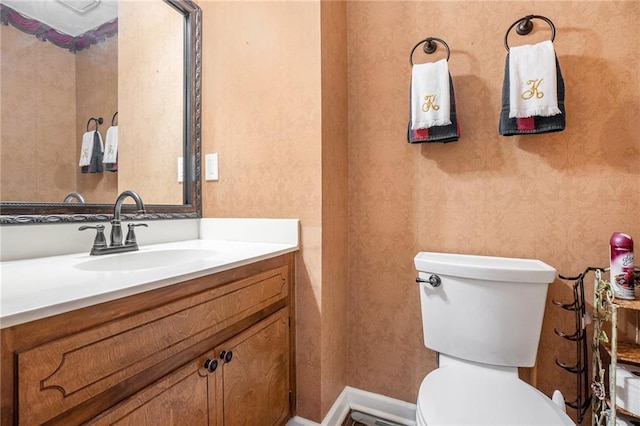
430	47
98	121
524	27
114	118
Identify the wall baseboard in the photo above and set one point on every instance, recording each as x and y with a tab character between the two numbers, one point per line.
371	403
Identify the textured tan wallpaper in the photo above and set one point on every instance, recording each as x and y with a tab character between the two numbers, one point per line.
38	119
335	201
273	110
555	197
261	107
1	91
150	92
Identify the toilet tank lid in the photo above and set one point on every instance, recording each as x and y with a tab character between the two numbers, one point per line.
485	267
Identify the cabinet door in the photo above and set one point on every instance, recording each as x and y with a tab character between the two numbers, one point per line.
253	387
184	397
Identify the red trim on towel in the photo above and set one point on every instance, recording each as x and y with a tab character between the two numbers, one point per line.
421	134
526	123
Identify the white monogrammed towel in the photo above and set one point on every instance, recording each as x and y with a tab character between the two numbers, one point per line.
86	149
111	146
533	87
430	98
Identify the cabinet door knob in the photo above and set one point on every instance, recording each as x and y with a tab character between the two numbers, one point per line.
226	356
211	365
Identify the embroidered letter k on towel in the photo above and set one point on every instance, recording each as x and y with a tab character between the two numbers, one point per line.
534	86
430	98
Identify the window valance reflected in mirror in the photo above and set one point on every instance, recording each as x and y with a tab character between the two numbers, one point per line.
97	102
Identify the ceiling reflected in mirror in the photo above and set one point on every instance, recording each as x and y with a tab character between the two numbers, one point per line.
66	16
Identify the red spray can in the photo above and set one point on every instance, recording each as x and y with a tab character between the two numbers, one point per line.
621	272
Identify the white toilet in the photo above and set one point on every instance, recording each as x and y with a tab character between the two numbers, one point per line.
483	316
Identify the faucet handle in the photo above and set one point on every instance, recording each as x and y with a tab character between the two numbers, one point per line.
131	236
100	242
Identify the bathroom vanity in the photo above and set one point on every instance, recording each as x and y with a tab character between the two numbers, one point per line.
211	345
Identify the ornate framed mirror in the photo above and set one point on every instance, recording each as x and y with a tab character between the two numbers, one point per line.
139	72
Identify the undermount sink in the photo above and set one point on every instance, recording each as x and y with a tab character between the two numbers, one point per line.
145	259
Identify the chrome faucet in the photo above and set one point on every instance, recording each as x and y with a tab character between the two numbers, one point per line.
116	246
116	228
73	195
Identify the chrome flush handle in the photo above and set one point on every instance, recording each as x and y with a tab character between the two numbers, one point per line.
433	281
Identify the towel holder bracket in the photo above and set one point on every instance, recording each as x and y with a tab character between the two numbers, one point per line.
430	47
524	26
98	121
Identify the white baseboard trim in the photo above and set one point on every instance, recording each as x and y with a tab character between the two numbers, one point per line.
371	403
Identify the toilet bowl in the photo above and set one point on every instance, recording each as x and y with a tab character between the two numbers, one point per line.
483	315
459	394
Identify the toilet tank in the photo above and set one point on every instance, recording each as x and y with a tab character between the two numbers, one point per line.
486	309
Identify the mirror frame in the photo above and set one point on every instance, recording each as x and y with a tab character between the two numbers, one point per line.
34	213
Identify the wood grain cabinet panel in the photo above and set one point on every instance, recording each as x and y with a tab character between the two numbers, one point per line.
251	388
145	364
185	397
254	386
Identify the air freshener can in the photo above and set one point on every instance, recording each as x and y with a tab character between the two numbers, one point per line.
621	272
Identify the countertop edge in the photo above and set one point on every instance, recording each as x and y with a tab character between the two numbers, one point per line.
21	317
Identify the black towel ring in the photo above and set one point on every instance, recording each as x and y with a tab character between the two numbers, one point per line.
430	47
98	121
114	118
524	27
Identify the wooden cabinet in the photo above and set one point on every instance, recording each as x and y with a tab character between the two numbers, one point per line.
253	384
141	360
186	396
245	381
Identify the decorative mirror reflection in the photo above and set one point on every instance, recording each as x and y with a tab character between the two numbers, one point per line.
98	97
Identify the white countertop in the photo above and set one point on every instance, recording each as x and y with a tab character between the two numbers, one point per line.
38	288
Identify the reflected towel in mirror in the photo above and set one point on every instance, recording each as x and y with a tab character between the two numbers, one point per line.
92	150
86	149
111	150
